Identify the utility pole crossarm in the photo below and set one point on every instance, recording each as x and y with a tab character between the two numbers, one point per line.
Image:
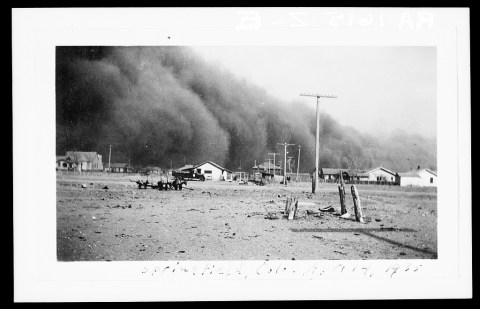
318	95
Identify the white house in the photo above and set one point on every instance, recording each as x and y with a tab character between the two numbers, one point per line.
213	171
418	178
381	174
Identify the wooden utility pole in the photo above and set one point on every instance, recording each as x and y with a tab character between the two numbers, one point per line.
285	161
298	163
109	155
317	141
274	166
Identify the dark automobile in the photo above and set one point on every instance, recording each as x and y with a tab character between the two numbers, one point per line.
188	175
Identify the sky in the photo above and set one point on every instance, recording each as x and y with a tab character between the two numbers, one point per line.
378	89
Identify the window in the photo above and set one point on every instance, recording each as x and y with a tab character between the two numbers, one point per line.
431	179
207	172
64	164
199	170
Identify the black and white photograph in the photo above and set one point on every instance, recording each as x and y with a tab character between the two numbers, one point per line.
168	153
253	158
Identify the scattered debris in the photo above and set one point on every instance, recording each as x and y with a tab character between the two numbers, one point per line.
84	185
106	188
346	216
402	253
271	216
342	253
319	237
327	209
181	251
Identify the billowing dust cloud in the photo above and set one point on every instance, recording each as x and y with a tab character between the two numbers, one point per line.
165	106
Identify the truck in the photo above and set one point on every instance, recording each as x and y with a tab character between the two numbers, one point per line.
188	175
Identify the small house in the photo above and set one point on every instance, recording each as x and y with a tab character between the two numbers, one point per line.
381	174
64	163
418	178
269	168
118	168
211	171
85	161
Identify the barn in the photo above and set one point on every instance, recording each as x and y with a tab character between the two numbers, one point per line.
212	171
418	178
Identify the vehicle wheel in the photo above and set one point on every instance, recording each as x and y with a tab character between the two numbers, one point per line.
203	178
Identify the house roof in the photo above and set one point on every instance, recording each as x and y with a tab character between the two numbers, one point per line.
431	172
333	171
415	173
114	165
382	168
214	164
186	167
409	174
82	156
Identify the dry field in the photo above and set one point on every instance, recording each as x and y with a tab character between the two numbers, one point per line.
228	221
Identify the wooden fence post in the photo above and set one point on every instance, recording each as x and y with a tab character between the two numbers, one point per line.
287	206
357	205
341	192
291	207
313	185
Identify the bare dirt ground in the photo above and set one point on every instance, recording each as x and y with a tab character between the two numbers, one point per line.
228	221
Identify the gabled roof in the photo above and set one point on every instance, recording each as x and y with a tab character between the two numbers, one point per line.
409	174
430	171
382	168
214	164
186	167
114	165
333	171
82	156
415	173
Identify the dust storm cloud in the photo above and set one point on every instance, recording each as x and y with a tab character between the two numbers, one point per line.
165	105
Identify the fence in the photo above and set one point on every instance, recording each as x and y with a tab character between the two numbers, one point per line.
360	182
302	177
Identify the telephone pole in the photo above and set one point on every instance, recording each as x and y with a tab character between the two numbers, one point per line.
285	161
317	141
109	155
298	163
274	166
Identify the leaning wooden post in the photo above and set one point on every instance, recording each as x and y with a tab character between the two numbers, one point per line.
357	205
293	208
341	192
288	206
